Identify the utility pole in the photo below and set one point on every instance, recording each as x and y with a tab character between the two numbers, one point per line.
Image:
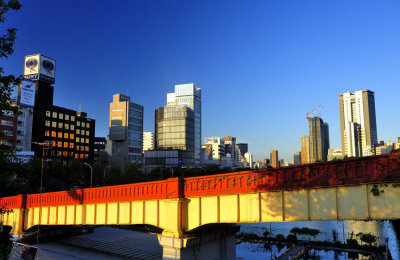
43	145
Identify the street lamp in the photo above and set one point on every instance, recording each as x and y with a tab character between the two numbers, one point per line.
43	145
105	171
91	174
172	170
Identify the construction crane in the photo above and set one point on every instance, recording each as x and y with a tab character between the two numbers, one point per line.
314	112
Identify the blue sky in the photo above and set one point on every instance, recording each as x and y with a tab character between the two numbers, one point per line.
261	64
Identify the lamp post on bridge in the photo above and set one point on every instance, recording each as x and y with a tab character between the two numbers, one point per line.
43	145
91	174
105	171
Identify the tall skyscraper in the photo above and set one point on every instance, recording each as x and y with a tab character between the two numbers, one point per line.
274	158
305	149
126	131
296	158
357	122
189	95
319	140
242	149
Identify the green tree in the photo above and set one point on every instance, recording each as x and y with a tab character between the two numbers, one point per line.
98	173
132	173
76	172
113	176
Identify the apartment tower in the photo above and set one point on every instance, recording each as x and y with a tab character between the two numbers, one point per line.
319	140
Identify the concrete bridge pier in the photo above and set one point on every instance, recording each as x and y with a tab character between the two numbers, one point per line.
209	244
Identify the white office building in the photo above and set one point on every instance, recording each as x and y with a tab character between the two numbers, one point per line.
357	122
148	141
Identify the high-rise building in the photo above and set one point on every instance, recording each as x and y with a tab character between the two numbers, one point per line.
215	148
100	154
357	122
297	158
148	141
305	149
126	131
274	158
319	140
230	147
242	149
71	133
189	95
249	160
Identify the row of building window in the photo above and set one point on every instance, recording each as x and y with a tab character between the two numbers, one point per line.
67	118
66	127
70	145
66	154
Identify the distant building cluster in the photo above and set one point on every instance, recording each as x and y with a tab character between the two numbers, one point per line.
38	127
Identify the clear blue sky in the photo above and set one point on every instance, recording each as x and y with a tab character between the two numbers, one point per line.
261	64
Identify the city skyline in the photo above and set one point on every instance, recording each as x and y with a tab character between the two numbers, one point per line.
260	71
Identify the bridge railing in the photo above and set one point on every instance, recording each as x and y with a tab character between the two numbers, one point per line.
171	188
374	169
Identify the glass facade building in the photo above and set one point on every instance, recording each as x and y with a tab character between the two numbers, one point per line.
175	130
178	125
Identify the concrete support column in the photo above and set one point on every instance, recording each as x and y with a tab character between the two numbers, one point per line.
218	244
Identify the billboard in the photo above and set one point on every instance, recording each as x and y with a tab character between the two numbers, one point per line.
40	67
27	93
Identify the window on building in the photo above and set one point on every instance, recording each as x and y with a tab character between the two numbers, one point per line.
73	118
66	126
78	131
66	135
86	156
54	124
77	147
60	125
53	134
65	144
47	133
87	148
82	156
72	127
87	140
71	136
60	116
71	154
54	114
67	117
59	135
87	133
53	153
76	156
54	144
65	154
77	140
71	145
48	114
78	123
82	148
87	125
59	144
59	153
